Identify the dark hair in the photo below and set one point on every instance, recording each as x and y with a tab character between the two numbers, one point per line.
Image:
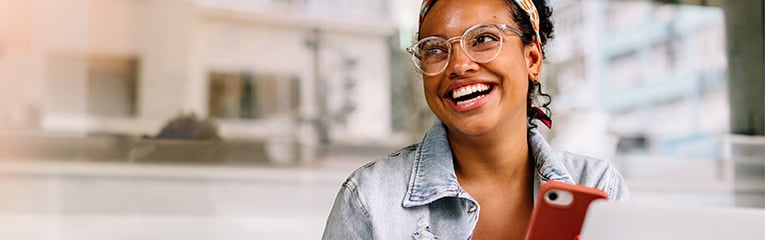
535	94
524	23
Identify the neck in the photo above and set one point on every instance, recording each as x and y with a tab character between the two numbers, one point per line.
501	157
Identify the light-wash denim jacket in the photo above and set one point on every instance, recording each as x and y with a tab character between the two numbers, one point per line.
414	193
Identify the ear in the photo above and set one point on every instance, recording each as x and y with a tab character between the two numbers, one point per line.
533	56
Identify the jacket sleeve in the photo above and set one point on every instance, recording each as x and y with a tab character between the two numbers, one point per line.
349	218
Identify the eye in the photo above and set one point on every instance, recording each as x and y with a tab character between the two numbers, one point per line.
485	38
434	48
434	51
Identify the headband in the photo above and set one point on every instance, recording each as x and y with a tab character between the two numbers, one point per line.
526	5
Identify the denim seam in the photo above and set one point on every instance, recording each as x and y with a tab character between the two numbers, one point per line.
415	171
611	179
351	186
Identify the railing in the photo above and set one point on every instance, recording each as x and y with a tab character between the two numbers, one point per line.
117	201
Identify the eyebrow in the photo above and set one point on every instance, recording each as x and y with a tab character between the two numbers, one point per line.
438	35
420	36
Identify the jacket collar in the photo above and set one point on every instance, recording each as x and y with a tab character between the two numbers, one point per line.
548	163
433	175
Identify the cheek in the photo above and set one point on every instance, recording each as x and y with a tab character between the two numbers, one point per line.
517	71
430	85
516	66
513	57
431	92
512	71
428	90
514	78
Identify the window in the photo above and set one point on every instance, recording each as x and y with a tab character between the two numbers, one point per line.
248	96
111	86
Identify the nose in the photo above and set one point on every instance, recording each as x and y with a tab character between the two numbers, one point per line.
460	63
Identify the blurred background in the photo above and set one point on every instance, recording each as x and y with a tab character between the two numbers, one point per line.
239	119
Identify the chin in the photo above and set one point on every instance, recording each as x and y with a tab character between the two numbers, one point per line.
474	126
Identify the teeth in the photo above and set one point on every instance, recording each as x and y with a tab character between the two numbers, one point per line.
470	89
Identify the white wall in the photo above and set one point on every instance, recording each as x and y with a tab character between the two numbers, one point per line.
177	44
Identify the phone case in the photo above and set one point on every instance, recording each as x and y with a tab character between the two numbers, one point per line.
560	209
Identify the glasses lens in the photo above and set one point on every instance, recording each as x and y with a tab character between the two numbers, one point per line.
433	53
483	43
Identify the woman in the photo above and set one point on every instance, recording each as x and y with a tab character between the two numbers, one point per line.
481	62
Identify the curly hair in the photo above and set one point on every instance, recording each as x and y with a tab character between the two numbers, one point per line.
545	22
535	95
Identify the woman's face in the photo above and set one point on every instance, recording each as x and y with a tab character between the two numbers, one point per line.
502	106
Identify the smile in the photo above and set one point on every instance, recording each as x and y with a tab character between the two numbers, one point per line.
469	97
470	93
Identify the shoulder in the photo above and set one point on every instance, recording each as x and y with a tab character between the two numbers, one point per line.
584	166
386	164
594	172
369	195
384	174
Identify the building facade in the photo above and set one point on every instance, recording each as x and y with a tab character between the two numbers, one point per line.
290	71
650	76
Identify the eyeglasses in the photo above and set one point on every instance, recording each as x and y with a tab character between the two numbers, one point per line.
481	43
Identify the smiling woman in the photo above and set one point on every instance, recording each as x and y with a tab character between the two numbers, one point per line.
483	156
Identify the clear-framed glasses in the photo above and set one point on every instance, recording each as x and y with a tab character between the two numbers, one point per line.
482	43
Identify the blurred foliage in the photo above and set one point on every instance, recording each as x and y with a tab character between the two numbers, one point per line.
187	126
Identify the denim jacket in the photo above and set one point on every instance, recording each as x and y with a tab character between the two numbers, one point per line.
414	193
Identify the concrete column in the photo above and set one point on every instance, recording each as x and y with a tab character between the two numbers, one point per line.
164	58
746	68
744	30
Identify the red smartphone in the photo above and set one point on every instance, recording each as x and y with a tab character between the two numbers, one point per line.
560	209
